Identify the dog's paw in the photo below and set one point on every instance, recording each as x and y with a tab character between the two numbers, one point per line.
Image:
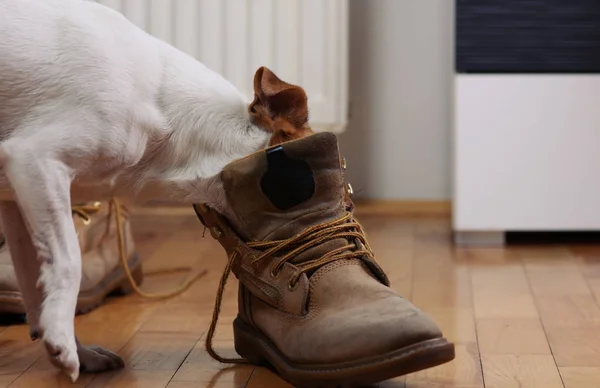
94	359
64	356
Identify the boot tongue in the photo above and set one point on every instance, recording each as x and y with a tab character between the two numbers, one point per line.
279	192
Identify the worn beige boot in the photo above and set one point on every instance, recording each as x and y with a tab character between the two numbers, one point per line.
102	270
313	302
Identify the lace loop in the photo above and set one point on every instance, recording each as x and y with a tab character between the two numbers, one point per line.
85	211
191	279
217	310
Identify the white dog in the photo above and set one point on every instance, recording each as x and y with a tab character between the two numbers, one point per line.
92	106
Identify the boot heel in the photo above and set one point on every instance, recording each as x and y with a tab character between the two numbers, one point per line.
245	344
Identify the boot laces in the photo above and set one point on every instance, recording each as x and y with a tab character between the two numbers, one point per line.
194	274
345	227
85	212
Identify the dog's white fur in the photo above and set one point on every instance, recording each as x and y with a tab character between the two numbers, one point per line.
92	106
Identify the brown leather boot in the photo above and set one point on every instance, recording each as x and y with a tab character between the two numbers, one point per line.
102	270
313	302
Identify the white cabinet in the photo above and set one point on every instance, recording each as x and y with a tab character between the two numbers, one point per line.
303	41
526	153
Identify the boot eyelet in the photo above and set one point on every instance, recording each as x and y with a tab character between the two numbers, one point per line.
292	286
274	273
215	232
86	220
349	189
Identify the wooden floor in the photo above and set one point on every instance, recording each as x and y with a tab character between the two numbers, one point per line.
520	317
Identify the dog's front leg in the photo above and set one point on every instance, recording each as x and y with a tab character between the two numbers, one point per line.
24	258
42	189
27	268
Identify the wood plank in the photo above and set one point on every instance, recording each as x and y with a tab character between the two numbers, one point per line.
457	324
452	286
547	258
575	345
177	317
150	358
502	292
558	282
17	353
513	336
145	378
489	257
158	350
568	310
531	371
439	281
262	378
594	284
200	369
218	384
464	371
49	378
399	382
588	258
580	377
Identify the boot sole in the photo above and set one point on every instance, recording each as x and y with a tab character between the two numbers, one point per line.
260	351
115	283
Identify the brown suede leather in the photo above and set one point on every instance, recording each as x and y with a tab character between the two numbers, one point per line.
342	311
99	245
97	233
259	220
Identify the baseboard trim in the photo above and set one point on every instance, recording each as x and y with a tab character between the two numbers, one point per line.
404	208
479	239
389	208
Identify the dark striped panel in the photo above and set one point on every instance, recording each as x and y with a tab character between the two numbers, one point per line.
529	36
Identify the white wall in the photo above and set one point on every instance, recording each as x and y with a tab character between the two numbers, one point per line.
401	61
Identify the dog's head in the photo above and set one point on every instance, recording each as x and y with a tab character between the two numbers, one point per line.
279	108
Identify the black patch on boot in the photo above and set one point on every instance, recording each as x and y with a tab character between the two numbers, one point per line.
288	182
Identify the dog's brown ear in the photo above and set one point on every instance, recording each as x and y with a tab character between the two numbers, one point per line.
279	107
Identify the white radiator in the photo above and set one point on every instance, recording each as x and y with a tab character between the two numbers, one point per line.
303	41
